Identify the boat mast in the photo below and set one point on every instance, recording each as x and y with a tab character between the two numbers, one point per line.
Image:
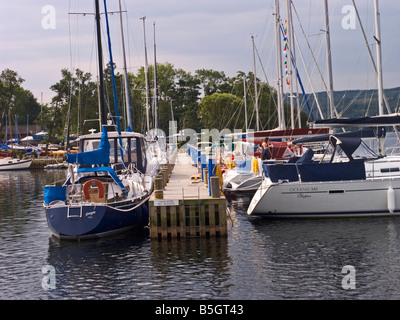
245	102
127	97
156	120
374	65
329	60
145	75
103	118
255	86
377	38
281	113
289	62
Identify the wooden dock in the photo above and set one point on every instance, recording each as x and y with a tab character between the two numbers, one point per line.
41	163
184	207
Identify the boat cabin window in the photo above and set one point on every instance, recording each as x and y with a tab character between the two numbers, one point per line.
387	170
143	158
93	144
133	150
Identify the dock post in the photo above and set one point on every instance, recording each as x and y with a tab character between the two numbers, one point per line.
158	188
166	168
164	176
214	187
211	165
203	165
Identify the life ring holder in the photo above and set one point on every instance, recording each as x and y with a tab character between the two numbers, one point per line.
88	185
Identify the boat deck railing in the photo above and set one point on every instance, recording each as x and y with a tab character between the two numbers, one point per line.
99	192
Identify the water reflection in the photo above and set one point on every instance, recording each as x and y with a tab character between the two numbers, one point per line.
23	233
192	268
129	266
97	269
307	256
260	259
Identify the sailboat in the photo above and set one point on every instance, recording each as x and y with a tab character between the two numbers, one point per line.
246	181
336	185
8	161
342	183
107	188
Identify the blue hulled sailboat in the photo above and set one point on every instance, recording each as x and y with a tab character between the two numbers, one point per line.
107	188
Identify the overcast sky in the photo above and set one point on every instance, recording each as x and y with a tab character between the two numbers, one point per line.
195	34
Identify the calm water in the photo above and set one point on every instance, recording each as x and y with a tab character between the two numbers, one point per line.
260	259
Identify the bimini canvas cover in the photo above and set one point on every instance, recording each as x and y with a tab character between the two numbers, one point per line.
99	156
53	193
363	133
376	121
348	145
336	171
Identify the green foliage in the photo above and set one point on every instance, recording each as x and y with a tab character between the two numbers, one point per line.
76	96
216	109
15	100
206	99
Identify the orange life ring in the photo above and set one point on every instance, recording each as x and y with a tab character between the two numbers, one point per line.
88	184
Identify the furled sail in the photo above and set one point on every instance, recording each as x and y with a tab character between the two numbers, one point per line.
95	157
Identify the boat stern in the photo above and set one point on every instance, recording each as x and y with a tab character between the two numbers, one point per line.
73	221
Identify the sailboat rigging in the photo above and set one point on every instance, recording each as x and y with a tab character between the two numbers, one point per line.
129	126
108	185
350	180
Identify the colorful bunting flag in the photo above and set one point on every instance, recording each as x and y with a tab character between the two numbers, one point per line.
285	53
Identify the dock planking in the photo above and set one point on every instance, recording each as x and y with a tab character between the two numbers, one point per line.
186	210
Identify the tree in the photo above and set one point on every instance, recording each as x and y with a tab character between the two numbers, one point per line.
52	121
10	83
26	106
76	98
166	75
186	95
212	81
216	110
15	100
176	88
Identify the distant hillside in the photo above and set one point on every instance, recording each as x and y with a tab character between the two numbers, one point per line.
356	103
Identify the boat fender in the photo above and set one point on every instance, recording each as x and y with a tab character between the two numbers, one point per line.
228	163
88	184
71	173
218	173
254	165
391	203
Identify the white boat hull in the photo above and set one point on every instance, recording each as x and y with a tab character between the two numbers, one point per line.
388	166
14	164
327	199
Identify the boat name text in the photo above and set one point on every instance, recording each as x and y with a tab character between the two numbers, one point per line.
90	214
303	196
303	189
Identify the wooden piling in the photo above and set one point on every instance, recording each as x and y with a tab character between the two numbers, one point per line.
205	177
187	219
158	188
214	186
164	174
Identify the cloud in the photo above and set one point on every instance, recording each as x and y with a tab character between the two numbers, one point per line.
192	35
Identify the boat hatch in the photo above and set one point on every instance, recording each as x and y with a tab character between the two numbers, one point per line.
336	191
